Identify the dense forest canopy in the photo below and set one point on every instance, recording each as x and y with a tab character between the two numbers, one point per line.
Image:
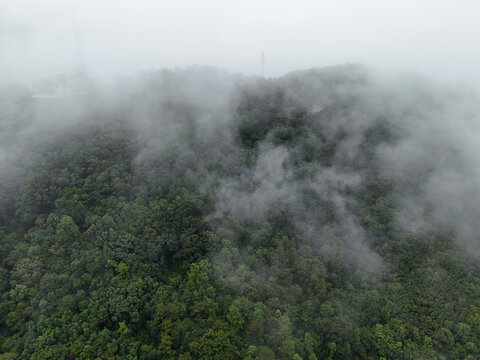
194	214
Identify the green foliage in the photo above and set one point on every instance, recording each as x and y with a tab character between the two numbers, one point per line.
111	248
67	230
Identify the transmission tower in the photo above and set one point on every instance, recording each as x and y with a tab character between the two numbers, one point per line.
263	62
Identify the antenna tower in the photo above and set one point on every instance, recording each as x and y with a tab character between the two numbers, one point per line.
263	62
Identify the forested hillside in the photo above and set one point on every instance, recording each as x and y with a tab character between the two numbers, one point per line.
194	214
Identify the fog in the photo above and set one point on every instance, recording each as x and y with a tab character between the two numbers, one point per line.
155	188
120	40
41	38
194	111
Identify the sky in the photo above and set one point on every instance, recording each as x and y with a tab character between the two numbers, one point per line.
42	38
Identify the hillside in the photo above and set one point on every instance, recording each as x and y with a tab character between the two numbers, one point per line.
194	214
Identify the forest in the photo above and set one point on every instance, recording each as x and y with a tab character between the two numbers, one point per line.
197	214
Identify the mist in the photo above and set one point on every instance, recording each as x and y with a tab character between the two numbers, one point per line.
164	192
43	38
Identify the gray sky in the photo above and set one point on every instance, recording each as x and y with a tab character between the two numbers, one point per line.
439	38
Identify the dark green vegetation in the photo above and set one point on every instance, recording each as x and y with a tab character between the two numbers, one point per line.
173	224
